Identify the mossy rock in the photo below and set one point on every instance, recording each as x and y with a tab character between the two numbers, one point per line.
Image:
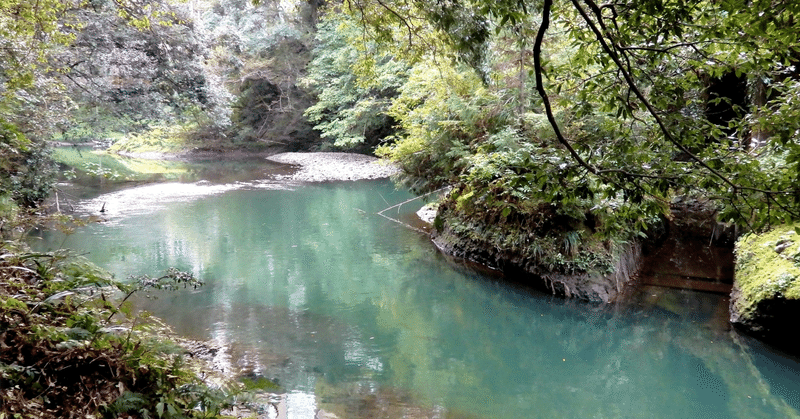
766	291
555	258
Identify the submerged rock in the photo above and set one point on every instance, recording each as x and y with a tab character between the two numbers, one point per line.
766	292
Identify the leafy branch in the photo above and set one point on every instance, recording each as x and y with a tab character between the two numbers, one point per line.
171	281
622	64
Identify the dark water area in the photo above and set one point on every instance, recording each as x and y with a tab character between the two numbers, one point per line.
686	262
364	318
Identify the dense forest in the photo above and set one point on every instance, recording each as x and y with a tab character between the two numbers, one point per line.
563	129
627	106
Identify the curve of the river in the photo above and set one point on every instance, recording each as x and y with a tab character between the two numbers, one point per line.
363	318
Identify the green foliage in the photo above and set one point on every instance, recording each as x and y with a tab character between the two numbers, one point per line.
547	242
26	170
639	103
442	112
59	308
355	83
29	30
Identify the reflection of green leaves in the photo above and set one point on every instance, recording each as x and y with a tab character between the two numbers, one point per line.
97	170
259	383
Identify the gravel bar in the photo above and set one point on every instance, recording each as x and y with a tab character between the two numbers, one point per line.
326	167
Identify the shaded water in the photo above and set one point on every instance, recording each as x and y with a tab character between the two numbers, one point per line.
362	317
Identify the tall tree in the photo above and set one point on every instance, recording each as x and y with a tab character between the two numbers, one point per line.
351	105
644	99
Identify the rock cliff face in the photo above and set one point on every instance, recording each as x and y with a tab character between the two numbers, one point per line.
766	295
596	285
590	271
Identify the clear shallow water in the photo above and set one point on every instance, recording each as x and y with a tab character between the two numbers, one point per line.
362	317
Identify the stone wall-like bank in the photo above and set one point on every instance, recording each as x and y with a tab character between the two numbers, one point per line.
765	299
594	286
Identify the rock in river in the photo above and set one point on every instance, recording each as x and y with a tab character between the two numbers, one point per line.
766	292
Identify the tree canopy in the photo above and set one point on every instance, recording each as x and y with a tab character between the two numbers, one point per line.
598	108
604	110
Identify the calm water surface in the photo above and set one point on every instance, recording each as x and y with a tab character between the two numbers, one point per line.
361	317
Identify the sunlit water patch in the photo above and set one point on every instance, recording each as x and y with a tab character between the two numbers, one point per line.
156	197
363	318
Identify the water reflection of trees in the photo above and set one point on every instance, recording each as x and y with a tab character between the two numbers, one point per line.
309	287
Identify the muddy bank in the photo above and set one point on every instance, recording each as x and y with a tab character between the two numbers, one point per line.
326	167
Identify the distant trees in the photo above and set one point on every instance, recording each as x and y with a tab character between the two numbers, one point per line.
351	107
108	67
126	74
261	51
597	108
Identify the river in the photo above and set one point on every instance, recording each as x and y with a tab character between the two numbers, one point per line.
363	318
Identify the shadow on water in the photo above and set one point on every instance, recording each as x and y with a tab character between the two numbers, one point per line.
689	263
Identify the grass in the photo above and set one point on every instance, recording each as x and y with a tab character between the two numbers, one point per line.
105	165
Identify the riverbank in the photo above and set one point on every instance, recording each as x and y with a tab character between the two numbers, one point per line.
72	347
346	311
577	264
328	166
766	294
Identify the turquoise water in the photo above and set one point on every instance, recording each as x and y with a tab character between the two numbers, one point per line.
362	317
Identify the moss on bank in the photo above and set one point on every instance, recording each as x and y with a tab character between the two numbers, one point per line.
767	273
536	244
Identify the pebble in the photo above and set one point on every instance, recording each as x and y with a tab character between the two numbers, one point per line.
329	166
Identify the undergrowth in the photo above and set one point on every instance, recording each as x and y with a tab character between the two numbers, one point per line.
70	345
538	235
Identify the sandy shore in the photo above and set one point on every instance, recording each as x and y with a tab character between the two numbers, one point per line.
324	167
